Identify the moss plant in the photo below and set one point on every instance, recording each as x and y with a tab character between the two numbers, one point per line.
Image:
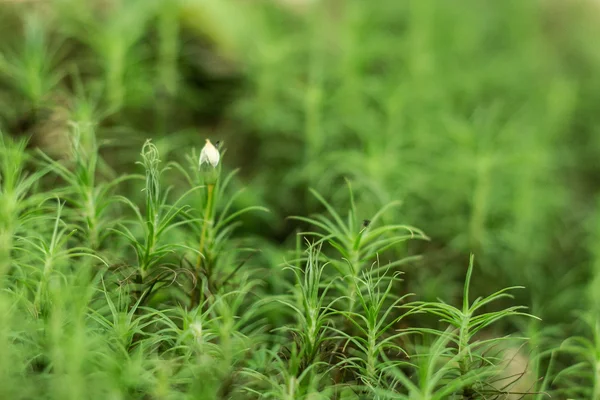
372	146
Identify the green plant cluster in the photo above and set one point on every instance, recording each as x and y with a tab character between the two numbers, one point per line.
294	269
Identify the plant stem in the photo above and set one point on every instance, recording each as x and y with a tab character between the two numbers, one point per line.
207	221
464	355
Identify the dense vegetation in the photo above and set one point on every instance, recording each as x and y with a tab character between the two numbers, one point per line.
405	207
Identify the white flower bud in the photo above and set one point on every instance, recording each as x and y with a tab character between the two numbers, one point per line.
210	154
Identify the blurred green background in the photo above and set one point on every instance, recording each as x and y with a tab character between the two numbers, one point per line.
481	116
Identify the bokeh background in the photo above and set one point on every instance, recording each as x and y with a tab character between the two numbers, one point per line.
480	116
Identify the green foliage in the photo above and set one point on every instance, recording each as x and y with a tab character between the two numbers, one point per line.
293	269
